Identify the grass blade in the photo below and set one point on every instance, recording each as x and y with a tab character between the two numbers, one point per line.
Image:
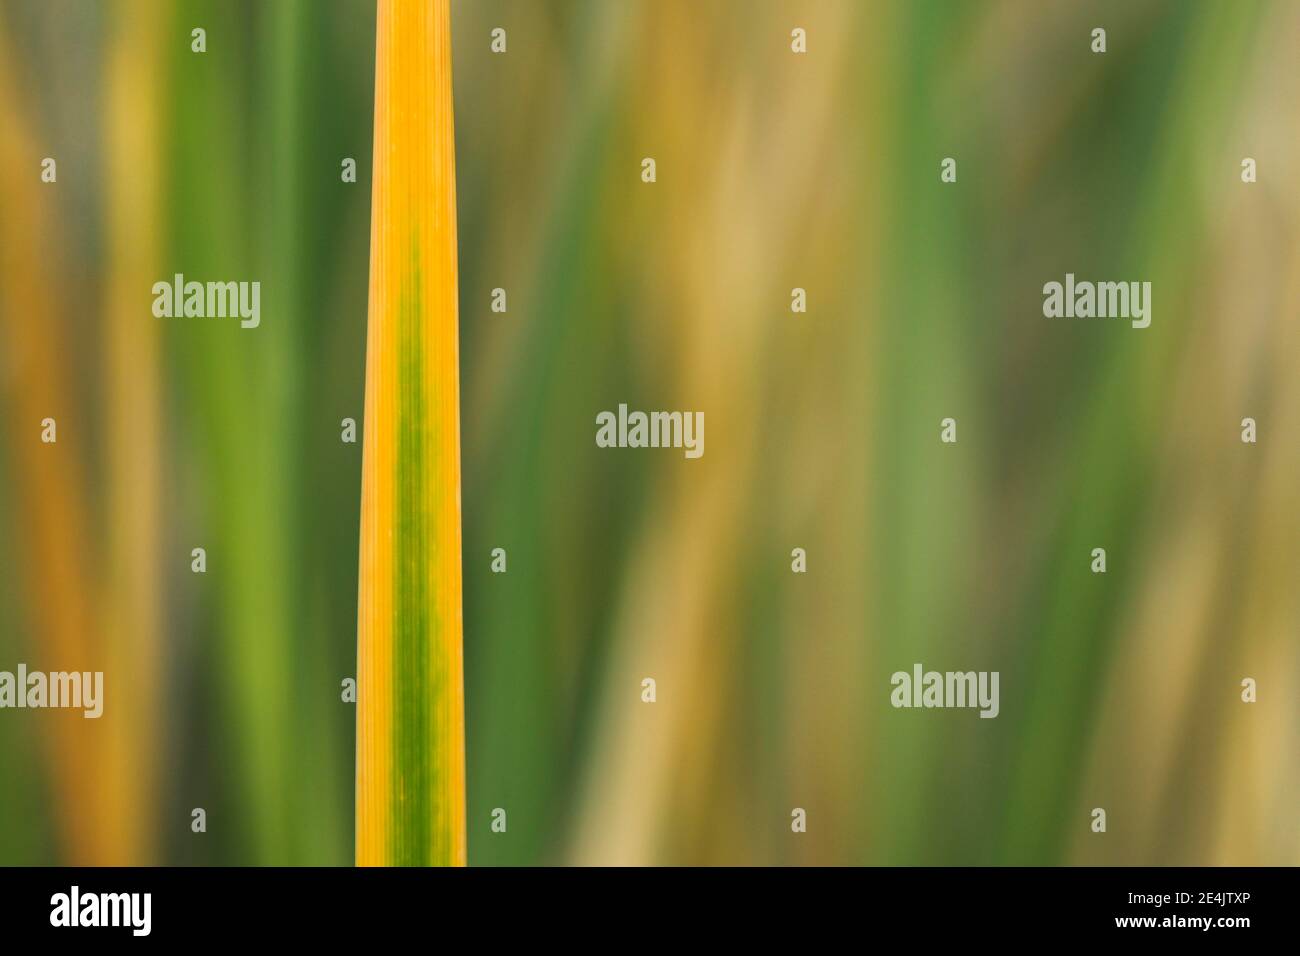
410	717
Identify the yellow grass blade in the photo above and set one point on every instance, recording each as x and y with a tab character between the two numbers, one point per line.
410	716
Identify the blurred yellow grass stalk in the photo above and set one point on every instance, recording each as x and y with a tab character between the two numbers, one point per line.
410	717
133	413
53	523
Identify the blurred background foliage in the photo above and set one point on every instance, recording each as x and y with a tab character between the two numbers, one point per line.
775	170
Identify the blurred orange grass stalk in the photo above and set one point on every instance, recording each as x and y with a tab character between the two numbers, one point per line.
410	716
77	620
